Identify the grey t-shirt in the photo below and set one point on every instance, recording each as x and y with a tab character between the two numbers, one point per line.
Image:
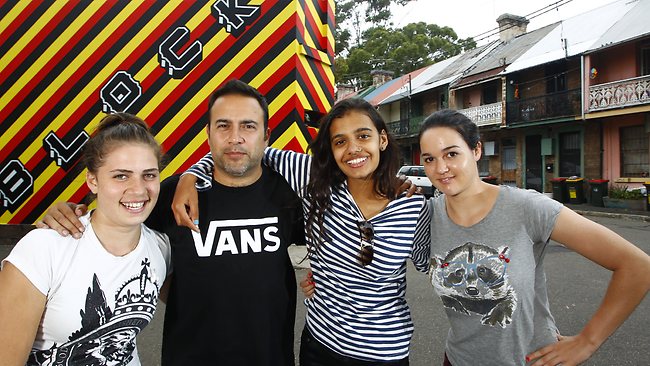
491	280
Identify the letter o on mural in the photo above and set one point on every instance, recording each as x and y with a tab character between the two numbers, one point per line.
120	93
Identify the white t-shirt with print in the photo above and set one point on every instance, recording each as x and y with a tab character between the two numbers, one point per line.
96	302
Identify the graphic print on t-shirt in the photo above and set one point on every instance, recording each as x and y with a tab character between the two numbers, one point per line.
238	236
106	337
472	278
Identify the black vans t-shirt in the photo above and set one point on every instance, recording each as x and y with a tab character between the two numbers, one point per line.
233	292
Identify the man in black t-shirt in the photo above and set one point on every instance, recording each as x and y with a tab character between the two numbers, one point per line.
232	292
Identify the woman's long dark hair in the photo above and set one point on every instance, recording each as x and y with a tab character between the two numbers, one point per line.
326	174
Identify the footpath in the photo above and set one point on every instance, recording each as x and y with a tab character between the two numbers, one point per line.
298	253
586	209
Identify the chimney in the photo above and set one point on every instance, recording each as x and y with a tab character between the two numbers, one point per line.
511	26
380	76
343	91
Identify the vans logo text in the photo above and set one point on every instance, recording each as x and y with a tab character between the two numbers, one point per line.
238	237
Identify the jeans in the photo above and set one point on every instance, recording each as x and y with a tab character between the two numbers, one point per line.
314	353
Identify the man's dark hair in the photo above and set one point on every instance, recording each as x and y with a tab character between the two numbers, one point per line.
238	87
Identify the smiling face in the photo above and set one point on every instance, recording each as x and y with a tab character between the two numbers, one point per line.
356	145
126	184
237	139
448	161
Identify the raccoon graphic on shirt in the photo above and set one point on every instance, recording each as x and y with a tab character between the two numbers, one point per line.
472	279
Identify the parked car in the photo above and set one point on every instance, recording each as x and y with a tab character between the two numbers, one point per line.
415	173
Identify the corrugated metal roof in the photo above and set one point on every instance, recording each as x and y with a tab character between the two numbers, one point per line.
634	24
436	84
506	53
377	89
363	92
442	72
416	80
465	61
421	78
456	69
476	78
580	33
392	86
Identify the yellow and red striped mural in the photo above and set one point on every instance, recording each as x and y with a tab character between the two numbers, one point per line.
65	64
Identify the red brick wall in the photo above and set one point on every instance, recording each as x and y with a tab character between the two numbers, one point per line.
592	150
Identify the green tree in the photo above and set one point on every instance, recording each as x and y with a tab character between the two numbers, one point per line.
400	50
348	15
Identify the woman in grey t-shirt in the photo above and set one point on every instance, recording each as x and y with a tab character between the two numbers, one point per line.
487	254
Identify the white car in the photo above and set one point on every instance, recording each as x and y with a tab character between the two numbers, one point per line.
415	173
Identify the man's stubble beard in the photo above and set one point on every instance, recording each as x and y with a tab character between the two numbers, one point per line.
237	170
240	169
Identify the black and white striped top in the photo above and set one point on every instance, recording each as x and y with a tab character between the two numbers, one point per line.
359	312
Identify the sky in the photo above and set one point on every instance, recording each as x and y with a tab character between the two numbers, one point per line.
470	18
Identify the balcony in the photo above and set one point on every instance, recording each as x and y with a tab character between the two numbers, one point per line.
550	106
484	115
405	127
621	93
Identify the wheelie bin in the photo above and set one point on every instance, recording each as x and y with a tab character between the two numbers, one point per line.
597	190
559	189
576	190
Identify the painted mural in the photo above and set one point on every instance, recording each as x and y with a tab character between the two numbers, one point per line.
65	64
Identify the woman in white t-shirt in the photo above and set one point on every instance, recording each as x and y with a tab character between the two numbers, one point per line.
83	301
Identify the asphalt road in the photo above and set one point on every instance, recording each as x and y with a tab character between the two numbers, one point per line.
576	287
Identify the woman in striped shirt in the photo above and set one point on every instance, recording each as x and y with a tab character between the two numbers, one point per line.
360	234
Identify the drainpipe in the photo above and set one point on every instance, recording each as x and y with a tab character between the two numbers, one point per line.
602	148
504	99
583	85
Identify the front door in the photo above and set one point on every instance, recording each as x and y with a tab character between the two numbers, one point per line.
570	164
534	162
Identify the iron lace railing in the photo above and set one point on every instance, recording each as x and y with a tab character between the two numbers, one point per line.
484	115
620	93
406	126
550	106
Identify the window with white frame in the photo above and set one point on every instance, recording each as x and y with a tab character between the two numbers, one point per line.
634	151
